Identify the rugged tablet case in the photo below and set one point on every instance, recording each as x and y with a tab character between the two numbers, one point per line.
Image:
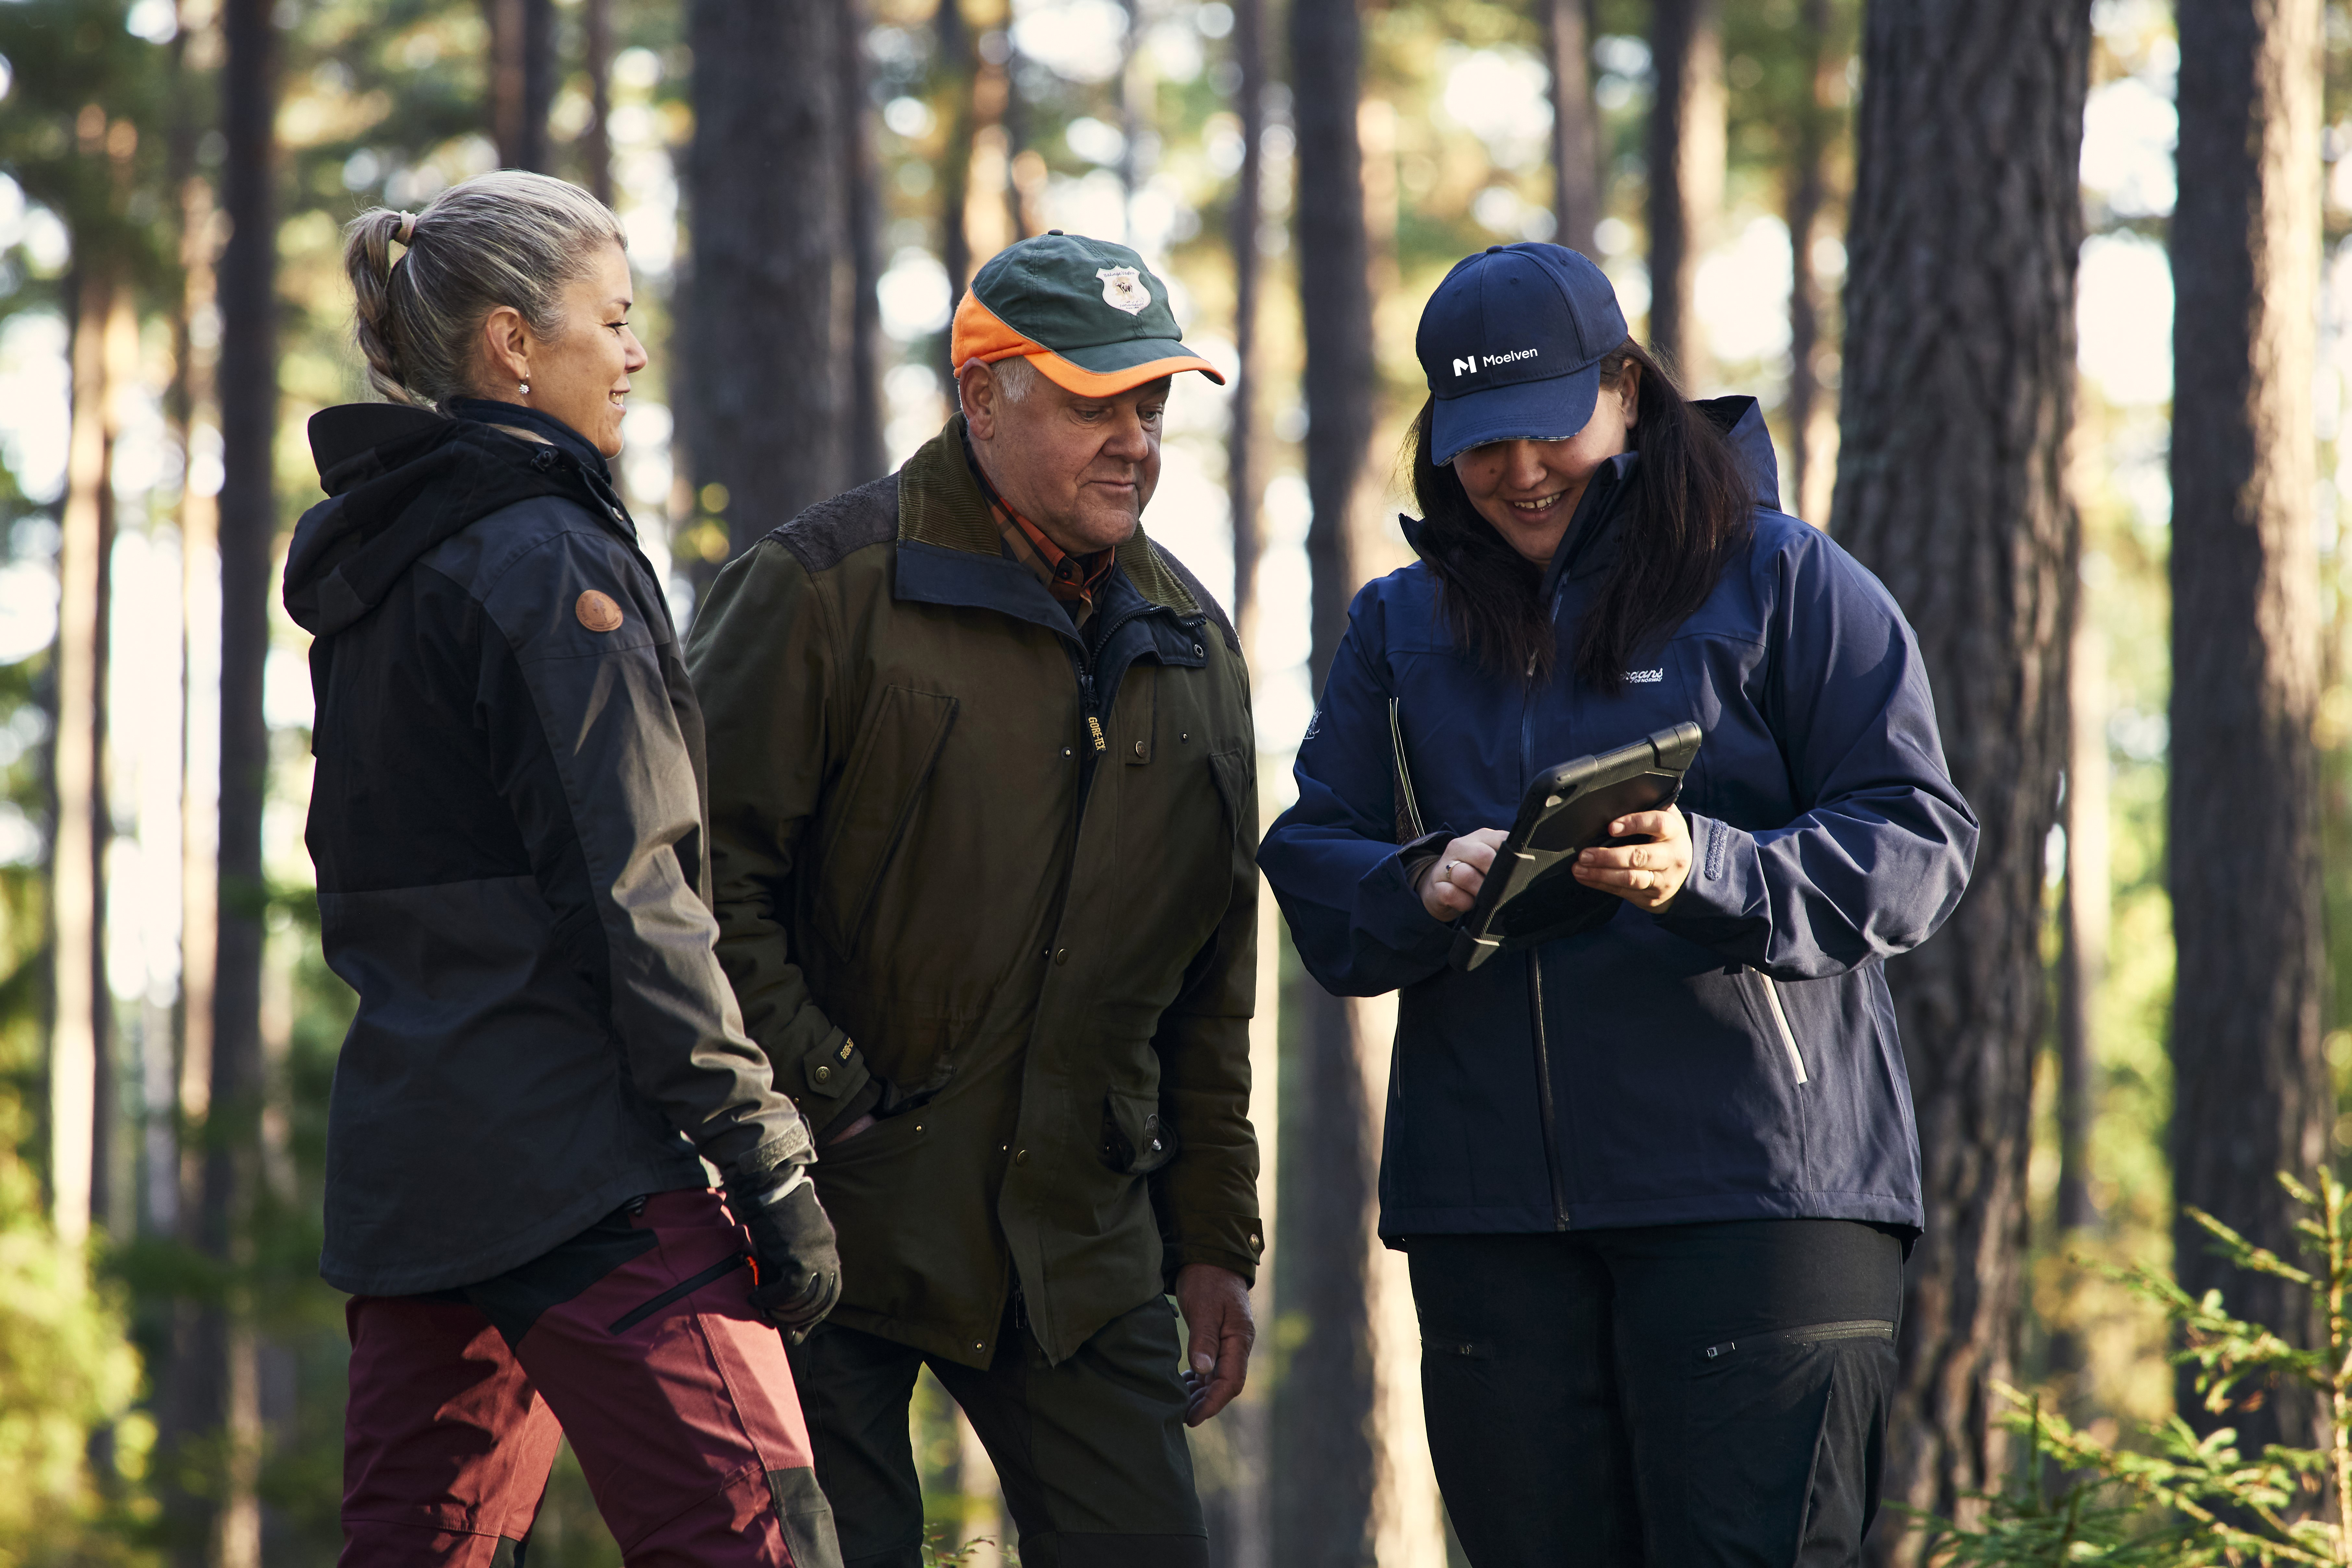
1532	896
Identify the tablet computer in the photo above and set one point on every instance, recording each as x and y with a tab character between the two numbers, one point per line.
1532	895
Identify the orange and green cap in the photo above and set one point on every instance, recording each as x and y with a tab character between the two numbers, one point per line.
1088	313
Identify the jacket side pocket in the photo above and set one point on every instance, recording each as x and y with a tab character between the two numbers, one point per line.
1136	1140
1781	1022
874	801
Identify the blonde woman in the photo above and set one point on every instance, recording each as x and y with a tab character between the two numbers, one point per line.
512	875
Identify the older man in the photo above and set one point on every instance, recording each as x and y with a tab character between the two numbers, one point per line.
984	815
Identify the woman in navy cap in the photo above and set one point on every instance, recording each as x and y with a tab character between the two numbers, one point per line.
1655	1180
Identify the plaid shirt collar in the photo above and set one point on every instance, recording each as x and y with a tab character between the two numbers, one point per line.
1073	580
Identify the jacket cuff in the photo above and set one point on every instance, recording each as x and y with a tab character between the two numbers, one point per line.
1724	889
1232	1241
1389	910
759	1169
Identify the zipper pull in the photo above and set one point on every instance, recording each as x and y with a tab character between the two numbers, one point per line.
1094	728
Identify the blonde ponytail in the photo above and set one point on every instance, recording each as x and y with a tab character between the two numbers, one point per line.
368	240
510	239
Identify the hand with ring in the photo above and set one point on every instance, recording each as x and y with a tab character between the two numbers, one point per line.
1449	885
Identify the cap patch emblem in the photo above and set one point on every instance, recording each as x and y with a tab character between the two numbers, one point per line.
597	612
1123	289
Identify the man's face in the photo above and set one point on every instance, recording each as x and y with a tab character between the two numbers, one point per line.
1081	468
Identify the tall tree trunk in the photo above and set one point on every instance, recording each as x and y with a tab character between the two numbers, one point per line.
247	398
2085	918
596	62
861	177
1951	487
1808	191
1324	1409
2250	1091
1576	174
522	79
1242	482
955	66
77	1036
1686	152
770	308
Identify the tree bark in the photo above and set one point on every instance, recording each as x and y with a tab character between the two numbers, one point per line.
2084	921
78	1035
596	63
1243	483
223	1369
770	306
862	196
1576	168
1957	402
1324	1411
2250	1090
1808	191
523	80
955	64
1686	152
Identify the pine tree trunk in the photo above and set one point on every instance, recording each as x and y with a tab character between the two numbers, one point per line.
1324	1409
768	312
1957	397
78	846
1687	154
1242	482
522	79
596	64
1808	191
861	176
2251	1089
955	64
1576	169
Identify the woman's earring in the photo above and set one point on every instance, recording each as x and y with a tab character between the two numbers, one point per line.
525	387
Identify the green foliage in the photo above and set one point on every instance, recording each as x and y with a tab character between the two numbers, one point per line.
2191	1498
67	1369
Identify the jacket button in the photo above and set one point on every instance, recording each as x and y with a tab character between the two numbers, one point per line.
822	1072
1196	650
1256	1242
1021	1158
1183	734
1062	955
1138	748
616	515
1067	752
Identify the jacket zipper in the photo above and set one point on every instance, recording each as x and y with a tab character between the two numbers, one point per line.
1543	1092
1788	1036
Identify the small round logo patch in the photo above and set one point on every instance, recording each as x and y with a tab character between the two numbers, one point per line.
597	612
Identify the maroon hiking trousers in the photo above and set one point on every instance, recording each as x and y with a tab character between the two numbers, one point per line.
638	1341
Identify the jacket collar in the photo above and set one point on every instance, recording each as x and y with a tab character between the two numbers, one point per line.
514	416
950	551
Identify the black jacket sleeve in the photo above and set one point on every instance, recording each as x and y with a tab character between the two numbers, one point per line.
604	826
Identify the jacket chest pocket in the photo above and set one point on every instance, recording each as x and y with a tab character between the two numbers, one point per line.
874	800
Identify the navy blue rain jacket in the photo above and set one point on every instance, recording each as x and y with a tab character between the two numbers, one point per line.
1733	1058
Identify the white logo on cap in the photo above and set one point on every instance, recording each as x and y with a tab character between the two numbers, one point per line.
1123	289
1466	366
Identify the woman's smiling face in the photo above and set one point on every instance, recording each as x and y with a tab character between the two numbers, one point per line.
1529	489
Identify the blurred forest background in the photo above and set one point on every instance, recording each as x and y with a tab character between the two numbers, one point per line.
1936	241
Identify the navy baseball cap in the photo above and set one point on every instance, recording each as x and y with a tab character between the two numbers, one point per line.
1512	343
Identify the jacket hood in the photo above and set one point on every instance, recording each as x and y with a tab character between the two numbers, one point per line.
1740	420
399	480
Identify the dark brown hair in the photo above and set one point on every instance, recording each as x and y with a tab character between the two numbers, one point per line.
1689	510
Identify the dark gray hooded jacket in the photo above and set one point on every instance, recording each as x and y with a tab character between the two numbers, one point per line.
508	821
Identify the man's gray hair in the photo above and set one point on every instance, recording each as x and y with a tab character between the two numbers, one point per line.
1015	377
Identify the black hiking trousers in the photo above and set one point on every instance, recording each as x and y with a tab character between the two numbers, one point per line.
1667	1396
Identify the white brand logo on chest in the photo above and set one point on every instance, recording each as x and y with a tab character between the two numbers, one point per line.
1645	677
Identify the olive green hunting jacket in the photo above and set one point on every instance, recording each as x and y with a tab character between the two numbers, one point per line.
1041	982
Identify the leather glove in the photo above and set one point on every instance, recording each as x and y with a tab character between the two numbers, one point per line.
797	1265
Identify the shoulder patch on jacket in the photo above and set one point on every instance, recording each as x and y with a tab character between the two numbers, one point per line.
824	535
1201	595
